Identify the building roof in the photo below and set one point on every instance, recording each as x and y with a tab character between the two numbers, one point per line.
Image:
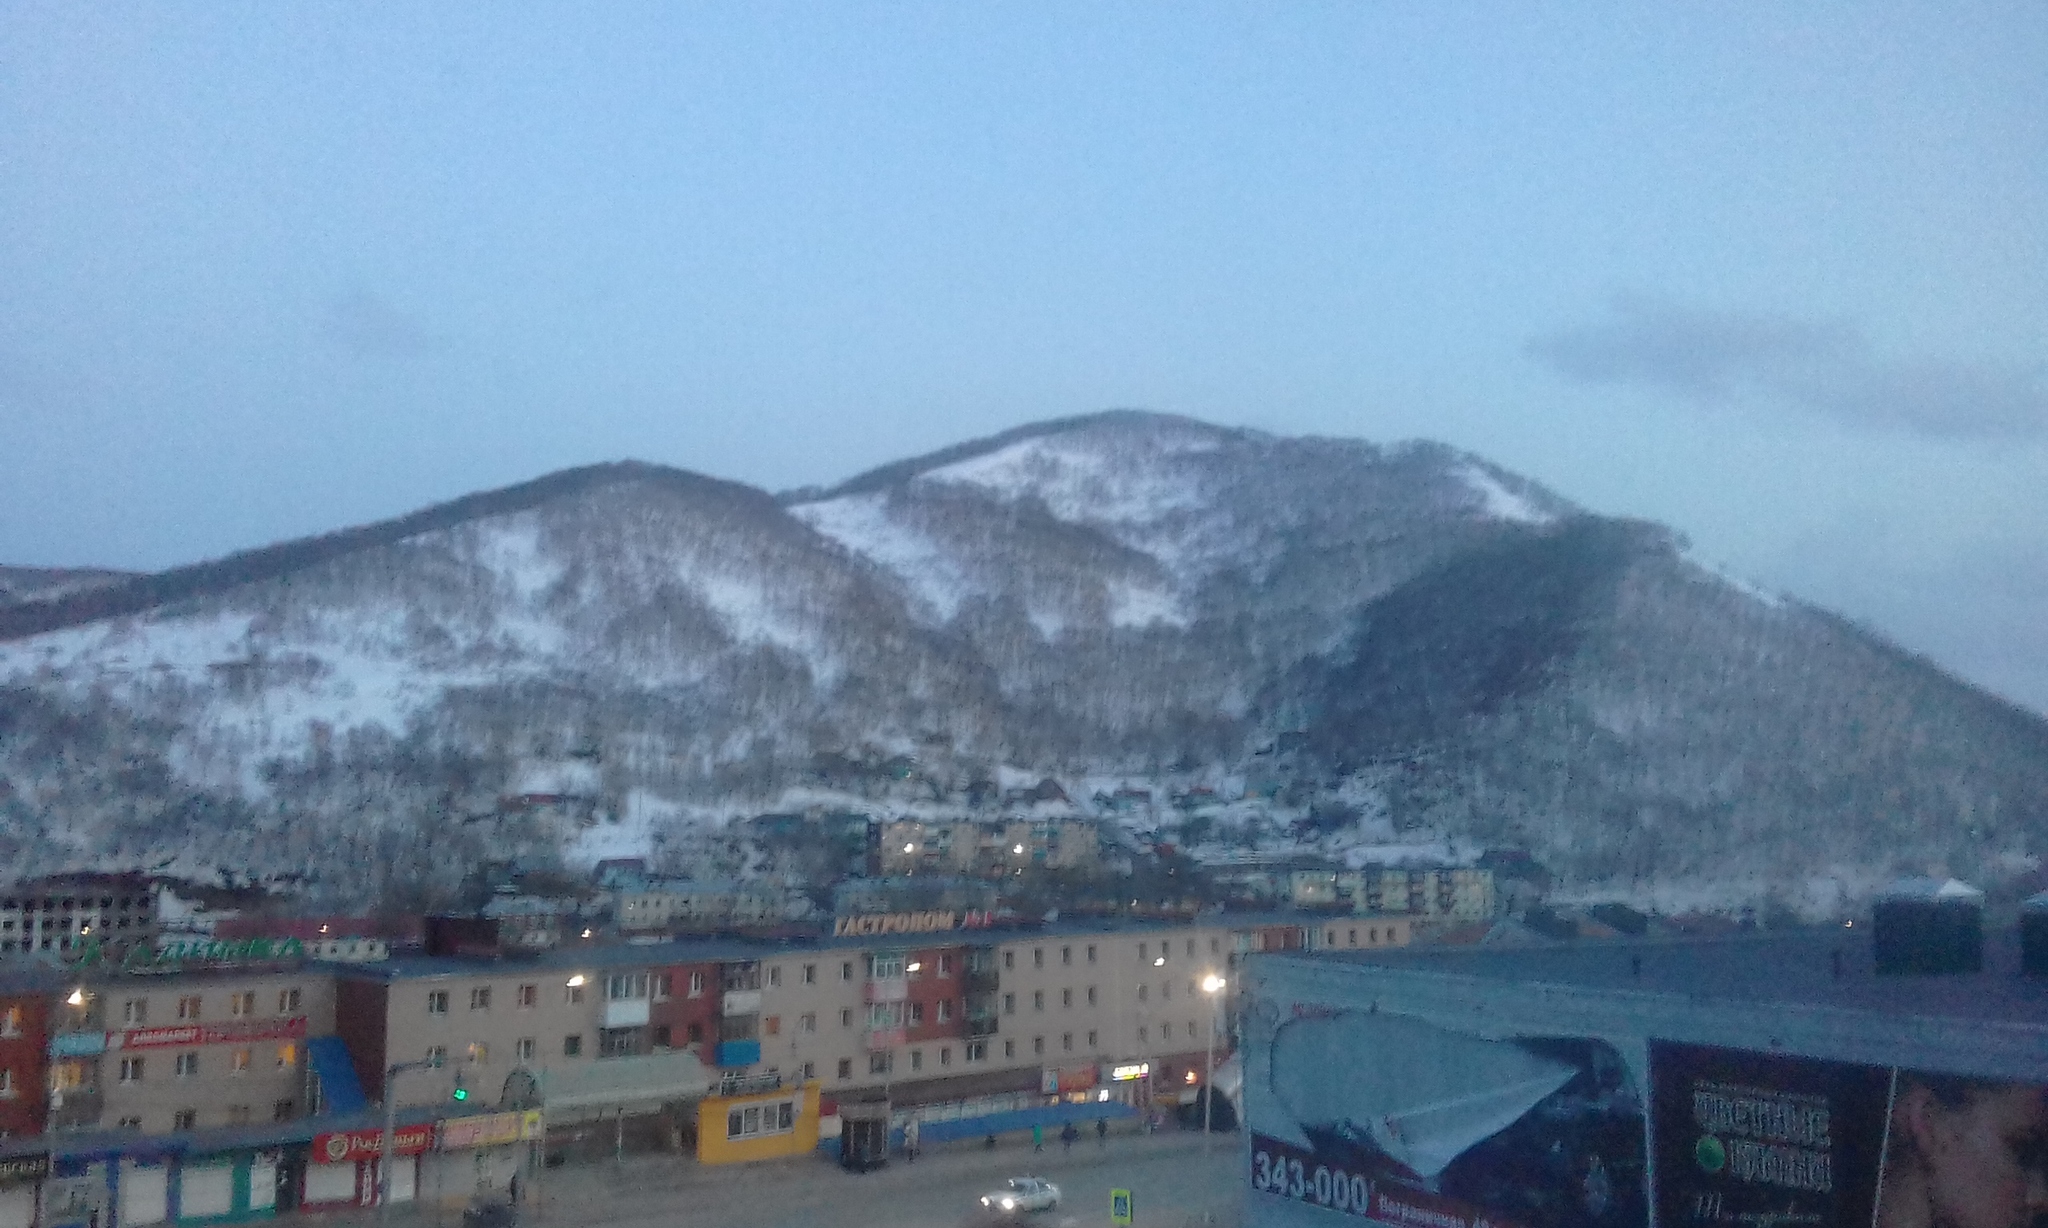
1829	967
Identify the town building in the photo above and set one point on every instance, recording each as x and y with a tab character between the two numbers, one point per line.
1771	1075
1426	893
64	915
986	849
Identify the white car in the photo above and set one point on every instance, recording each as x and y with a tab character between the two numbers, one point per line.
1023	1194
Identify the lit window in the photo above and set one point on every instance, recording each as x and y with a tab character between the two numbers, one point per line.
287	1056
238	1062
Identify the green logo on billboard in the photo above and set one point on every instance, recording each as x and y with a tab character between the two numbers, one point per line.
1710	1153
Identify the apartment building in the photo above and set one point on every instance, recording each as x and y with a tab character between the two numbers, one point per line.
25	997
208	1049
1428	893
69	914
986	849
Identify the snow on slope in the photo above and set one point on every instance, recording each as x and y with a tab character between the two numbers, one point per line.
1498	501
863	525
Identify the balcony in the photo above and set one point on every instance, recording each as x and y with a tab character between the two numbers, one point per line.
741	1002
626	1013
982	1026
733	1054
982	980
891	989
880	1039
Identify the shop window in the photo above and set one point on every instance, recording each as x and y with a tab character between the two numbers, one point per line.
755	1120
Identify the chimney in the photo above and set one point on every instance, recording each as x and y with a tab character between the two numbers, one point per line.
1925	925
2034	935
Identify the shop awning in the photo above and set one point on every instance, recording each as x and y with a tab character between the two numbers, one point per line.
341	1093
623	1084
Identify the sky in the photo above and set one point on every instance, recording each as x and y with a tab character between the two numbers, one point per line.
1775	275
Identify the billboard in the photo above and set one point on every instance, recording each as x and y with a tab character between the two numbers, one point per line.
1400	1121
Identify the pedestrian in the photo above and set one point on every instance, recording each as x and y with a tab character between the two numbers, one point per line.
1102	1132
1038	1138
911	1136
1067	1136
515	1189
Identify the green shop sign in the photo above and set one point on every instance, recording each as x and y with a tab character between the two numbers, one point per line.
180	953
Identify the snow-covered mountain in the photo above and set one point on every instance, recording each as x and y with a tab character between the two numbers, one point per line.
1355	640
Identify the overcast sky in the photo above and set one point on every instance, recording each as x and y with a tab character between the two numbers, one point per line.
1774	274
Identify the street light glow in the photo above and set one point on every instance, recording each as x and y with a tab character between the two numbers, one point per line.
1211	983
1159	962
77	997
576	982
910	848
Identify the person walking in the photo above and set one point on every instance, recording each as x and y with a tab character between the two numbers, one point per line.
1038	1138
1101	1132
912	1133
1068	1134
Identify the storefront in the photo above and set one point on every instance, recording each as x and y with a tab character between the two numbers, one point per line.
225	1187
479	1155
343	1169
21	1179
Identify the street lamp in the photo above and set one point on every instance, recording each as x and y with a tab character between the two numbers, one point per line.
1213	986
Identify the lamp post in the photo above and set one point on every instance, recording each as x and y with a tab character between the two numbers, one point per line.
388	1141
1213	986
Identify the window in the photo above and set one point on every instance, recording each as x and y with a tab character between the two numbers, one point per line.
1038	1044
134	1013
774	977
1091	1040
1009	1048
754	1120
1143	992
1091	995
846	1068
810	974
437	1055
437	1002
188	1007
1038	999
287	1001
238	1062
1215	946
572	1046
625	987
1038	957
810	1071
1067	1041
129	1123
1066	955
528	997
1352	939
480	998
885	967
1141	952
131	1070
945	965
1091	952
916	1014
846	970
184	1119
479	1053
917	1059
664	986
771	1025
573	994
1009	1004
281	1111
696	984
1166	1031
1144	1033
945	1009
807	1022
696	1033
187	1065
977	1051
287	1055
878	1063
242	1004
1191	948
945	1055
1067	998
1009	960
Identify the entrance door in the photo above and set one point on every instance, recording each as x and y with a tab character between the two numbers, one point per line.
144	1190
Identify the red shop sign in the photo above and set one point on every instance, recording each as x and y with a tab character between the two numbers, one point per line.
341	1148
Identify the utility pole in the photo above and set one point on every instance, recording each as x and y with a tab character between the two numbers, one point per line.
389	1141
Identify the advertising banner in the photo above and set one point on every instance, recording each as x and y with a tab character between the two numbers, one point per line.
1743	1137
184	1035
1400	1122
345	1146
490	1130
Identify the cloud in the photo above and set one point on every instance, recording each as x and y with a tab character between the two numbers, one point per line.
1715	357
369	327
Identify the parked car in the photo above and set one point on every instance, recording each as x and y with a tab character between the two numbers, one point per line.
1023	1194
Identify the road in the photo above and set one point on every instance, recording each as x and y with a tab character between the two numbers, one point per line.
1173	1182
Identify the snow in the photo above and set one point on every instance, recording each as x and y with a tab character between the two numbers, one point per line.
1082	482
1133	605
1498	501
1763	596
862	524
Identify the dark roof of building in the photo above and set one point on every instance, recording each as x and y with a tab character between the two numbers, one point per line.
1825	967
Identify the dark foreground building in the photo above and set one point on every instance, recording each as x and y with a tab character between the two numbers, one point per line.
1775	1079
